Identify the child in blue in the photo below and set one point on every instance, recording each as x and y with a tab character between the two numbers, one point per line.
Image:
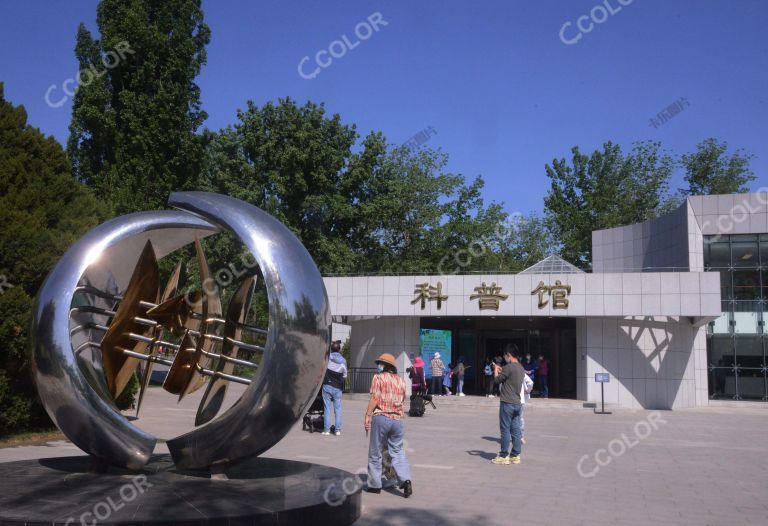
447	379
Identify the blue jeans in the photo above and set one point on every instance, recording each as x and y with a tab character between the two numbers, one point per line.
389	432
460	387
509	422
543	387
331	395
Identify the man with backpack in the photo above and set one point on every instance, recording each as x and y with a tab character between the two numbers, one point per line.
333	386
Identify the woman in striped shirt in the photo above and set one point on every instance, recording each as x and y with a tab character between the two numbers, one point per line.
384	420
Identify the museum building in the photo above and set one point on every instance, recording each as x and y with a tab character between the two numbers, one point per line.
673	311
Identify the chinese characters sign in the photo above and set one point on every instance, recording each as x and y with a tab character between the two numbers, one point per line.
558	292
426	292
488	296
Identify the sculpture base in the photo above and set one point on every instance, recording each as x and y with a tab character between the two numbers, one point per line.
257	491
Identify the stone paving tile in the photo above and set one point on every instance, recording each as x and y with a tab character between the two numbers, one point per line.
700	467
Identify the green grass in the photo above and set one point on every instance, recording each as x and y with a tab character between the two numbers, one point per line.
31	438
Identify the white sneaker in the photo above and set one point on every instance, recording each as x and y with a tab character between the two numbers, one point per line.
462	394
337	433
326	433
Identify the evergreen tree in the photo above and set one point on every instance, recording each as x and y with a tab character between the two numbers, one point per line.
43	210
133	131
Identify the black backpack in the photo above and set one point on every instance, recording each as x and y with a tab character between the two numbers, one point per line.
418	406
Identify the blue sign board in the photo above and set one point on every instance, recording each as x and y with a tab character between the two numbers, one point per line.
602	377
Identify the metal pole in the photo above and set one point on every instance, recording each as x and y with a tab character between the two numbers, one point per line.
602	396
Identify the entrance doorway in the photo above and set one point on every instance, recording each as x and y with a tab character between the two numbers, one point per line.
475	339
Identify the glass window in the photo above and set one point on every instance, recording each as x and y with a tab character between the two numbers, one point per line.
718	255
765	284
749	351
726	288
722	325
746	284
744	249
720	351
764	250
751	384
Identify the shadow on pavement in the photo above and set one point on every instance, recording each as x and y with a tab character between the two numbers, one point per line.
400	516
481	454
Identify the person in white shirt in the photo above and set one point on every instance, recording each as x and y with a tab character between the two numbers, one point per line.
525	395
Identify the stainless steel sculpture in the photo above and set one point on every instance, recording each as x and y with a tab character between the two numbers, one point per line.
104	298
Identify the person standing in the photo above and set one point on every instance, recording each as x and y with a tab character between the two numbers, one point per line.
436	364
333	386
458	372
510	380
384	420
543	376
416	374
447	375
530	365
488	375
525	397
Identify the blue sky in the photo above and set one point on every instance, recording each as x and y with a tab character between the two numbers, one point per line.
494	79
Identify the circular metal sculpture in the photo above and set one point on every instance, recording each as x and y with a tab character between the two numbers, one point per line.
104	298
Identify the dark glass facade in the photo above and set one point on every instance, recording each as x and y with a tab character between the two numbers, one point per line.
737	342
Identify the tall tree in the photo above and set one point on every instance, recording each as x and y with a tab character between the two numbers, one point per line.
43	210
604	190
135	116
526	240
710	170
356	206
293	161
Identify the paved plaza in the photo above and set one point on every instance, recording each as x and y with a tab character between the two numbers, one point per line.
701	466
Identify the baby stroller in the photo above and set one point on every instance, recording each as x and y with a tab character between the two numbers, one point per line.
313	420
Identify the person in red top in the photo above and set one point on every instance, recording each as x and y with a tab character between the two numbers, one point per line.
416	374
543	373
384	420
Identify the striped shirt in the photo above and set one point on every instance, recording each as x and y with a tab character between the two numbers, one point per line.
389	389
437	366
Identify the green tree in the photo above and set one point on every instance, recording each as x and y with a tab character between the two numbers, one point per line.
604	190
43	210
357	207
133	131
423	217
293	162
710	170
527	240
